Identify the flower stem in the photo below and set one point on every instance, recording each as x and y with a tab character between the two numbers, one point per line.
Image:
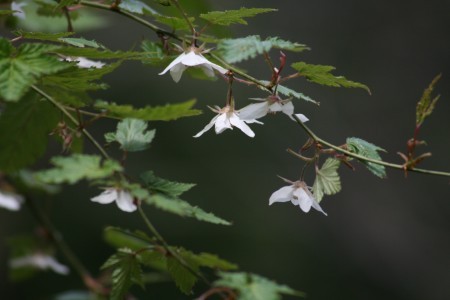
185	16
366	159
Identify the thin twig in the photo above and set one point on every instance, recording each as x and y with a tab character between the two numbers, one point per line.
186	18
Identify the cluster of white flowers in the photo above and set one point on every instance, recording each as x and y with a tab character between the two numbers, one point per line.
39	261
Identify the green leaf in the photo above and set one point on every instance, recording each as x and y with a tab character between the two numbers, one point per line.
126	271
291	93
254	287
81	42
6	12
327	179
152	50
229	17
150	113
21	68
237	50
76	295
122	238
43	36
71	169
210	260
321	74
164	186
132	135
369	150
174	22
24	131
137	7
63	3
183	277
426	104
98	53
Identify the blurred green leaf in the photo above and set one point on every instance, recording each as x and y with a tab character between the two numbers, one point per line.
6	12
426	104
369	150
137	7
229	17
122	238
81	42
164	186
150	113
20	68
76	295
132	135
24	131
321	74
254	287
126	271
237	50
327	179
291	93
42	36
174	22
71	169
184	279
62	3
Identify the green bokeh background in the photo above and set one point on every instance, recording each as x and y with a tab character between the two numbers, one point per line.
382	239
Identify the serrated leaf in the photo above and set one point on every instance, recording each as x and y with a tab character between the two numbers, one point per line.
98	53
150	113
152	50
24	131
321	74
71	169
229	17
426	104
291	93
237	50
164	186
126	271
132	135
174	22
137	7
254	287
183	278
122	238
369	150
43	36
20	68
211	261
81	42
327	179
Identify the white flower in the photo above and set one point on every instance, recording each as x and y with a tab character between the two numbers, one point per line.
299	194
85	63
39	261
124	199
226	119
191	59
10	201
18	11
272	104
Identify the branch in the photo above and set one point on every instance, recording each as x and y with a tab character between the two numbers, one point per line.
363	158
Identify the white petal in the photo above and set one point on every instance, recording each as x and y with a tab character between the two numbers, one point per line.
235	121
17	7
276	106
176	61
208	70
222	123
253	111
317	207
177	71
86	63
304	200
282	195
54	265
207	127
218	68
192	59
108	196
302	117
39	261
125	201
10	201
288	109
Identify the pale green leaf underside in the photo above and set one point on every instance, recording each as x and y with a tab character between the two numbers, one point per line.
254	287
229	17
369	150
327	179
132	135
71	169
237	50
321	74
150	113
137	7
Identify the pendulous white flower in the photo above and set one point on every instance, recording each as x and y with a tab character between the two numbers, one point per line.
124	199
271	104
191	58
85	63
227	118
17	8
299	194
10	201
40	261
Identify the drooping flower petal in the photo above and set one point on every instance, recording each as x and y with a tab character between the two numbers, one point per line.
275	107
207	127
253	111
125	201
284	194
17	8
177	71
235	121
288	109
222	123
40	261
11	201
108	196
302	117
304	201
175	62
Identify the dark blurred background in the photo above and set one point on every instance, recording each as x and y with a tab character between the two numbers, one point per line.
382	239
